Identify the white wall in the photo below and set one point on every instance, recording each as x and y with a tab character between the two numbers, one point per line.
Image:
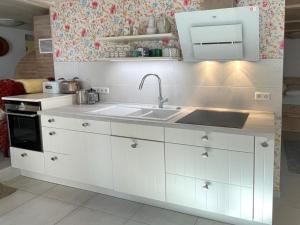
209	84
291	58
16	40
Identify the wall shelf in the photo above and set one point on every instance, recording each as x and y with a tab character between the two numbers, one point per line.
139	59
146	37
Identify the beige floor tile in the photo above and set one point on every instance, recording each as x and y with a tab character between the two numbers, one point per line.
115	206
39	211
158	216
70	195
30	185
14	200
85	216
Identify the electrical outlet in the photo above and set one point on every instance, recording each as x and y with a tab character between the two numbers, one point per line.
102	90
262	96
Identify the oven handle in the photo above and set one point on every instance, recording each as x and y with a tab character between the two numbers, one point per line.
25	115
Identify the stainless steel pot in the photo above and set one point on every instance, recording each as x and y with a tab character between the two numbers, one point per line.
69	86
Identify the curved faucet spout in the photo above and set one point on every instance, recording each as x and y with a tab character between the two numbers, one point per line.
161	100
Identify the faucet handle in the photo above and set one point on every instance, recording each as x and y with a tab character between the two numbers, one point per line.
165	100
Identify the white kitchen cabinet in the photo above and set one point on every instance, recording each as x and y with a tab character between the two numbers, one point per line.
217	140
138	167
79	156
27	160
94	160
230	200
212	164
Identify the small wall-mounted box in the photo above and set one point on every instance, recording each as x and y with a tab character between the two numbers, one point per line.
45	46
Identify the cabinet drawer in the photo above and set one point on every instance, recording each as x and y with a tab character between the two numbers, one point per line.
61	141
230	200
93	126
58	165
27	160
210	139
138	131
224	166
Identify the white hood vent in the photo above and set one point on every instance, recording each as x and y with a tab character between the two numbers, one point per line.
225	34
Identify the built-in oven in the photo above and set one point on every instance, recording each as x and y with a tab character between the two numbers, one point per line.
24	125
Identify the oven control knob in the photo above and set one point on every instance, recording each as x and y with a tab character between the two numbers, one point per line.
24	155
51	133
54	158
51	120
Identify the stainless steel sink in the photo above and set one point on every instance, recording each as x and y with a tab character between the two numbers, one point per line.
147	113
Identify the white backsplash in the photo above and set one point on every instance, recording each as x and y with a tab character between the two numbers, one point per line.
210	84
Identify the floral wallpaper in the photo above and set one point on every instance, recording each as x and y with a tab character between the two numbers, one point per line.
77	25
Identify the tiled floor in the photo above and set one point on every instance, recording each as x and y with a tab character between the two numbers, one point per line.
287	208
42	203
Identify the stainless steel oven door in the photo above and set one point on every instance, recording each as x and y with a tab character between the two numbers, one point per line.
24	131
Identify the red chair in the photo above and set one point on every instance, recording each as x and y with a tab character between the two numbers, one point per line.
7	88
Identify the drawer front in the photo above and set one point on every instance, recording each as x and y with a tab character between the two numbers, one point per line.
230	200
291	109
210	139
62	141
138	131
212	164
93	126
27	160
58	165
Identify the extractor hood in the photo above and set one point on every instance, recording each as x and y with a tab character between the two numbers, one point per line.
222	34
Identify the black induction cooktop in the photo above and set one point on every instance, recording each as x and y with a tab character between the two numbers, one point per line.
215	118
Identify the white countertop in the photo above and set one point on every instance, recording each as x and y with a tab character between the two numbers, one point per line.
38	97
258	122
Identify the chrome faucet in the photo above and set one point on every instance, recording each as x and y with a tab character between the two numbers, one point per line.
161	100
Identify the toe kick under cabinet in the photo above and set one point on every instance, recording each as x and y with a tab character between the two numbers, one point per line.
212	172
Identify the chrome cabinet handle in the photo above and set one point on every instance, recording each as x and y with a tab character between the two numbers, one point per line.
135	144
85	124
54	158
51	133
264	144
206	186
51	120
204	138
24	155
205	155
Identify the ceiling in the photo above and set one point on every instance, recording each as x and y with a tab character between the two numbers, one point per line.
23	10
292	20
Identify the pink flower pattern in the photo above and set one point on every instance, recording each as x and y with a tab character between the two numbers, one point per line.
78	24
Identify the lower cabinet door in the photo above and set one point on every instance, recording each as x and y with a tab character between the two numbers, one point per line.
138	167
93	163
225	199
59	165
27	160
215	197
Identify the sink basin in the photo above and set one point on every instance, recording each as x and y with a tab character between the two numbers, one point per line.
147	113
